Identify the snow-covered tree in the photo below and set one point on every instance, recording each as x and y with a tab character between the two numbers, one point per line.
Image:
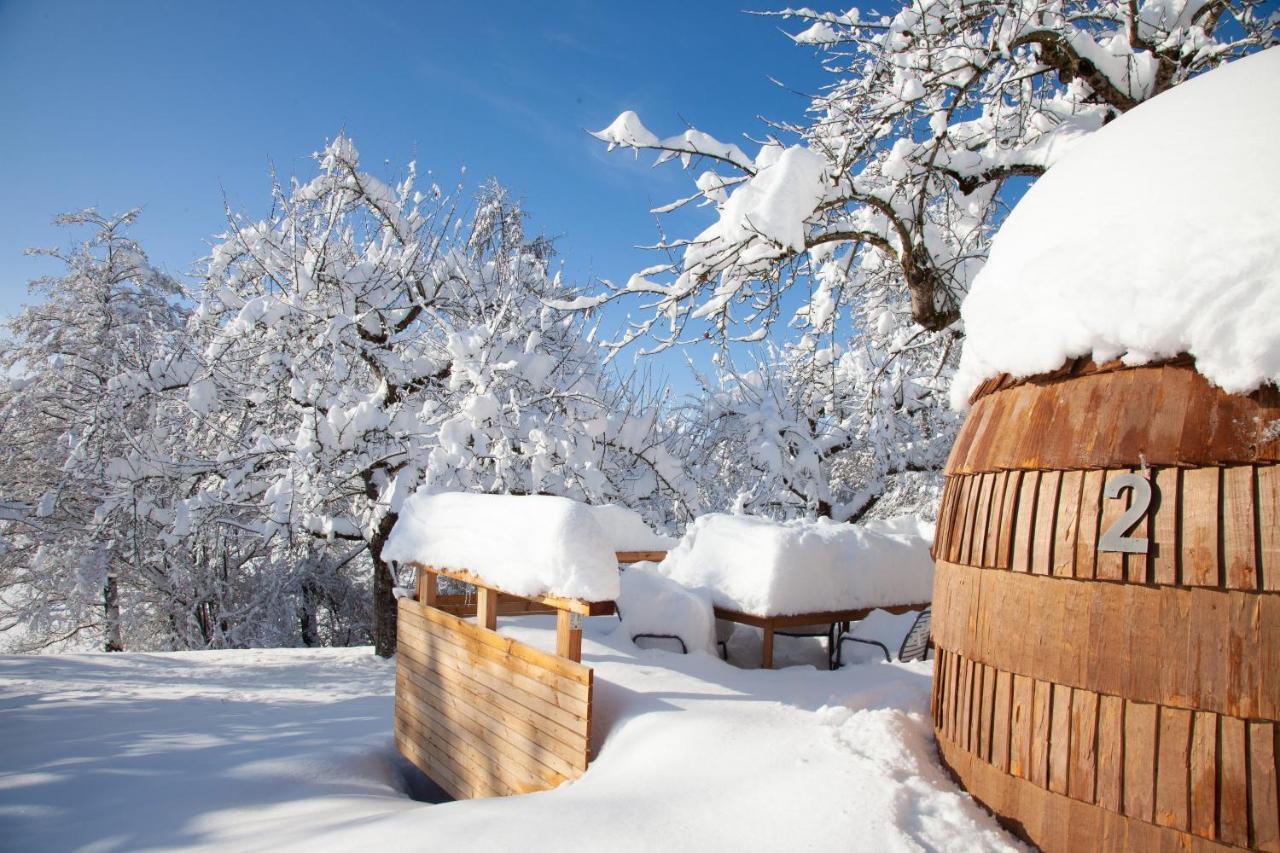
368	338
931	110
863	226
821	432
66	429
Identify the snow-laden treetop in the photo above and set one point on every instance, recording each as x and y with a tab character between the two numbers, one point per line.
1156	236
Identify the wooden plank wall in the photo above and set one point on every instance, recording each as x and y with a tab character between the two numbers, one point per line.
482	714
1108	700
1144	686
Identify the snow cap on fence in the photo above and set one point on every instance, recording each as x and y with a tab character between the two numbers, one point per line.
527	545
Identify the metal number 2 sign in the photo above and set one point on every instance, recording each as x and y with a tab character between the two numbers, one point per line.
1114	538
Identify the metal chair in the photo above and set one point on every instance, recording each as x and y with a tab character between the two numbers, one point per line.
915	645
684	650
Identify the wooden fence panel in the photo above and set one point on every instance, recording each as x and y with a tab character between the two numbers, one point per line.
485	715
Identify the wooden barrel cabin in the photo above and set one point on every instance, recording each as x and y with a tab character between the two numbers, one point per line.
1107	609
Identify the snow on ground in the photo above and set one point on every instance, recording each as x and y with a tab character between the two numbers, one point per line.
1155	236
291	749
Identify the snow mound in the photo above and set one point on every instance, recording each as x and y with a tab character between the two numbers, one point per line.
1155	236
755	565
527	544
627	531
652	603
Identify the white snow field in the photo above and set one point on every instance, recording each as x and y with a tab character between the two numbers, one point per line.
291	749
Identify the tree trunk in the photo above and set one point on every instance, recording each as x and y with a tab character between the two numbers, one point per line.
111	613
307	620
384	599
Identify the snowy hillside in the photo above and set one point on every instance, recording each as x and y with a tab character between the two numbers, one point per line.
291	749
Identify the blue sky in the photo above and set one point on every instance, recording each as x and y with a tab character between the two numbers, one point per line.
169	105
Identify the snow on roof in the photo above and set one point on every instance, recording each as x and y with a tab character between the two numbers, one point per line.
755	565
1155	236
526	545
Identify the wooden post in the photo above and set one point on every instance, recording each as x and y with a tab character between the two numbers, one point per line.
487	608
569	635
428	587
766	649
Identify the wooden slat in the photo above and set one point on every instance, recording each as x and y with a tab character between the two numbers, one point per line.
1204	775
971	499
963	699
628	557
946	548
1064	545
1001	729
987	712
983	520
1084	729
995	521
1090	515
1262	787
1173	769
1269	524
1020	727
1139	760
1239	538
1164	529
975	709
1024	525
1233	782
1041	698
1110	759
1200	511
1060	740
1046	510
1008	512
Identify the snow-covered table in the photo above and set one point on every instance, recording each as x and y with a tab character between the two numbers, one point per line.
772	624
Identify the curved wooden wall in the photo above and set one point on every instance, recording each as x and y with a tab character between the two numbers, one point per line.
1099	699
